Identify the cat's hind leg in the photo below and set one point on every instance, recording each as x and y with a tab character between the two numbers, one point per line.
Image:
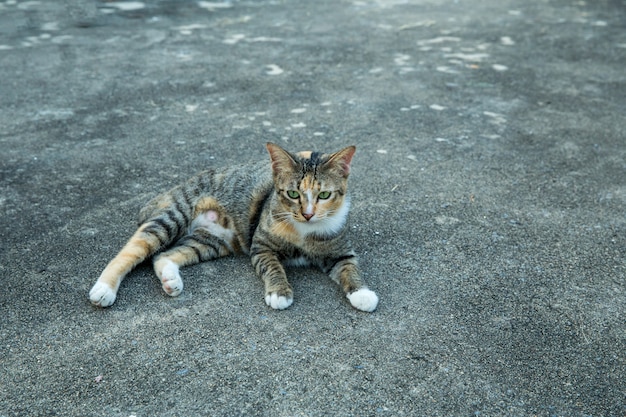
146	241
208	239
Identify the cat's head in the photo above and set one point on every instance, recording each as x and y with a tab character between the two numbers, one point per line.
311	187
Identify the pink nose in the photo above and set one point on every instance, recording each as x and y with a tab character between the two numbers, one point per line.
308	216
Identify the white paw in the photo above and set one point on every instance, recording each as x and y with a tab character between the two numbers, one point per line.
363	299
102	295
169	274
278	302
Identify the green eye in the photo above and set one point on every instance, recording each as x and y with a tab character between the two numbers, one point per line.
323	195
293	194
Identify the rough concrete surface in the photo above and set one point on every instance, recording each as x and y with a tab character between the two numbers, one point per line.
488	188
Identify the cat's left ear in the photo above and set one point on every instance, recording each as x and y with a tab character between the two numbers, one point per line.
340	161
281	159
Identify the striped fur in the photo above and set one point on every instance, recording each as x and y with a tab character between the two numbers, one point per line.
291	210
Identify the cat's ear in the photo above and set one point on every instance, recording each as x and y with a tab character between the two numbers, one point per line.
340	161
281	159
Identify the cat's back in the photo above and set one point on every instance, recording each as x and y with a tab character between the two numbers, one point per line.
237	188
234	184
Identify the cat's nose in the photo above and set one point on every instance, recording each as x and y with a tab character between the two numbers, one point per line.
308	216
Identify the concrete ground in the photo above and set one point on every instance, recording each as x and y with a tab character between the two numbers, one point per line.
489	197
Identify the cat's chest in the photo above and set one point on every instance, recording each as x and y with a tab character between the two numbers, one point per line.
298	250
287	233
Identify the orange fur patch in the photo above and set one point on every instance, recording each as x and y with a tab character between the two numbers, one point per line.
307	183
138	248
179	258
286	231
209	203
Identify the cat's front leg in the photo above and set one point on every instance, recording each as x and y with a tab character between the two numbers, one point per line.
278	292
363	299
345	272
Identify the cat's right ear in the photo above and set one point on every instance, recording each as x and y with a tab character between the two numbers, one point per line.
282	160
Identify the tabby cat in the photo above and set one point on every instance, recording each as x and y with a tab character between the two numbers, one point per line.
289	212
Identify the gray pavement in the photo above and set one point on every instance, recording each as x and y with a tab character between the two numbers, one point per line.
489	197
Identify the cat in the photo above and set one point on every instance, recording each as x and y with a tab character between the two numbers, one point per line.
290	210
